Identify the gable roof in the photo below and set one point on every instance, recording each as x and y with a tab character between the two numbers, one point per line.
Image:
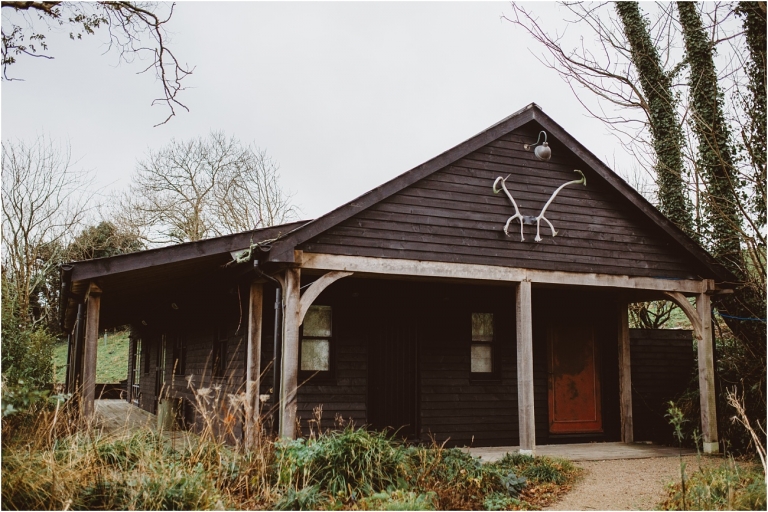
282	249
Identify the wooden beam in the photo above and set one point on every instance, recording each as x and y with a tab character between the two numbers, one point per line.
525	411
90	269
625	376
690	311
316	288
402	267
253	365
707	395
290	357
93	304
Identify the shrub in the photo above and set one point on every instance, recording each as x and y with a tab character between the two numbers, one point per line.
730	486
350	463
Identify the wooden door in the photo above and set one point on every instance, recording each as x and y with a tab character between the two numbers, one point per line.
392	366
574	380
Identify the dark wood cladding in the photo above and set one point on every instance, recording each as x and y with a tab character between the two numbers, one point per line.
207	401
341	398
457	406
453	215
663	367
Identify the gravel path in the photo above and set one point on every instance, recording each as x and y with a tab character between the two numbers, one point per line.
635	484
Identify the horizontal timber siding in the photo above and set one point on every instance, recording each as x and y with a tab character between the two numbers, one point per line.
663	366
454	216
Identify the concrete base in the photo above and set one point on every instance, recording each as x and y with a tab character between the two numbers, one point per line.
711	448
584	451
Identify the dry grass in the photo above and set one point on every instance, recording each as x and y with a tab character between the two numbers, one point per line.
52	460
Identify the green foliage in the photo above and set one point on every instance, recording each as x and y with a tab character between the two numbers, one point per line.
352	468
348	464
754	134
661	110
400	500
539	470
27	350
110	359
308	498
500	501
102	241
715	148
81	472
730	486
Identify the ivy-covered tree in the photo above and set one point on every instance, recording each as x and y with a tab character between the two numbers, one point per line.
754	135
664	123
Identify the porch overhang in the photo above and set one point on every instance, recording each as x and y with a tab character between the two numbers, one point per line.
362	265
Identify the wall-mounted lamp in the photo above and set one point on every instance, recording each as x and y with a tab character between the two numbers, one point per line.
542	152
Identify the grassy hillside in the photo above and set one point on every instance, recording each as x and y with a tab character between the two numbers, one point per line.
111	362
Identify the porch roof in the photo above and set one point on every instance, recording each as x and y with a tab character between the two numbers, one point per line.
127	278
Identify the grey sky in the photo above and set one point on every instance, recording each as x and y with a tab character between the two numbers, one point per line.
344	96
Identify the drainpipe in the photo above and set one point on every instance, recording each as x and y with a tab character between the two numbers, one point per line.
278	343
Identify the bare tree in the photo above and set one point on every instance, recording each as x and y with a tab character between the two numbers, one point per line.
135	30
43	203
207	186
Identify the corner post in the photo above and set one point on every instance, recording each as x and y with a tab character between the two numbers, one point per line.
93	304
625	375
290	356
707	375
524	319
253	364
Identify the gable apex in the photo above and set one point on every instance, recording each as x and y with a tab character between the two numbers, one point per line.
531	116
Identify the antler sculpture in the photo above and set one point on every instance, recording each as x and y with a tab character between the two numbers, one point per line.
517	212
523	220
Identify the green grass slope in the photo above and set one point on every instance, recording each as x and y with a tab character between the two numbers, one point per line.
111	359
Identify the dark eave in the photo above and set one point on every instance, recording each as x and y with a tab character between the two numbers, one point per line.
93	269
282	249
130	278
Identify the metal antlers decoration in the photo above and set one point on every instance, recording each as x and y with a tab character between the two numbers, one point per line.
528	219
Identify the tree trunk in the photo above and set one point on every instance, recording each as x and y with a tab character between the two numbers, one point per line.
661	107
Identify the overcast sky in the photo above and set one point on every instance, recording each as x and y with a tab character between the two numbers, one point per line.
344	96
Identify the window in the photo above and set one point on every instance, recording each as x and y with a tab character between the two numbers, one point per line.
317	333
179	355
482	343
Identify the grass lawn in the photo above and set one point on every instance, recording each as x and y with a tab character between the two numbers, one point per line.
111	359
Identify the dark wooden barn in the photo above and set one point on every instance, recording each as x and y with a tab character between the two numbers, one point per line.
440	304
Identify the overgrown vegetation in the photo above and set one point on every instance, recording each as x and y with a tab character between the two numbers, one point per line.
50	464
733	485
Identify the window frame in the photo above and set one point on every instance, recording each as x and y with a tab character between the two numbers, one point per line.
494	374
320	376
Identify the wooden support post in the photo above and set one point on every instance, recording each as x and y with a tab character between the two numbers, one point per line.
290	357
253	365
525	410
93	303
625	376
707	395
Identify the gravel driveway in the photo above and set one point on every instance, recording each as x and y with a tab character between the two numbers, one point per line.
630	484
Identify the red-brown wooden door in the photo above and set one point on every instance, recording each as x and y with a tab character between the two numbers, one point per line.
574	380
